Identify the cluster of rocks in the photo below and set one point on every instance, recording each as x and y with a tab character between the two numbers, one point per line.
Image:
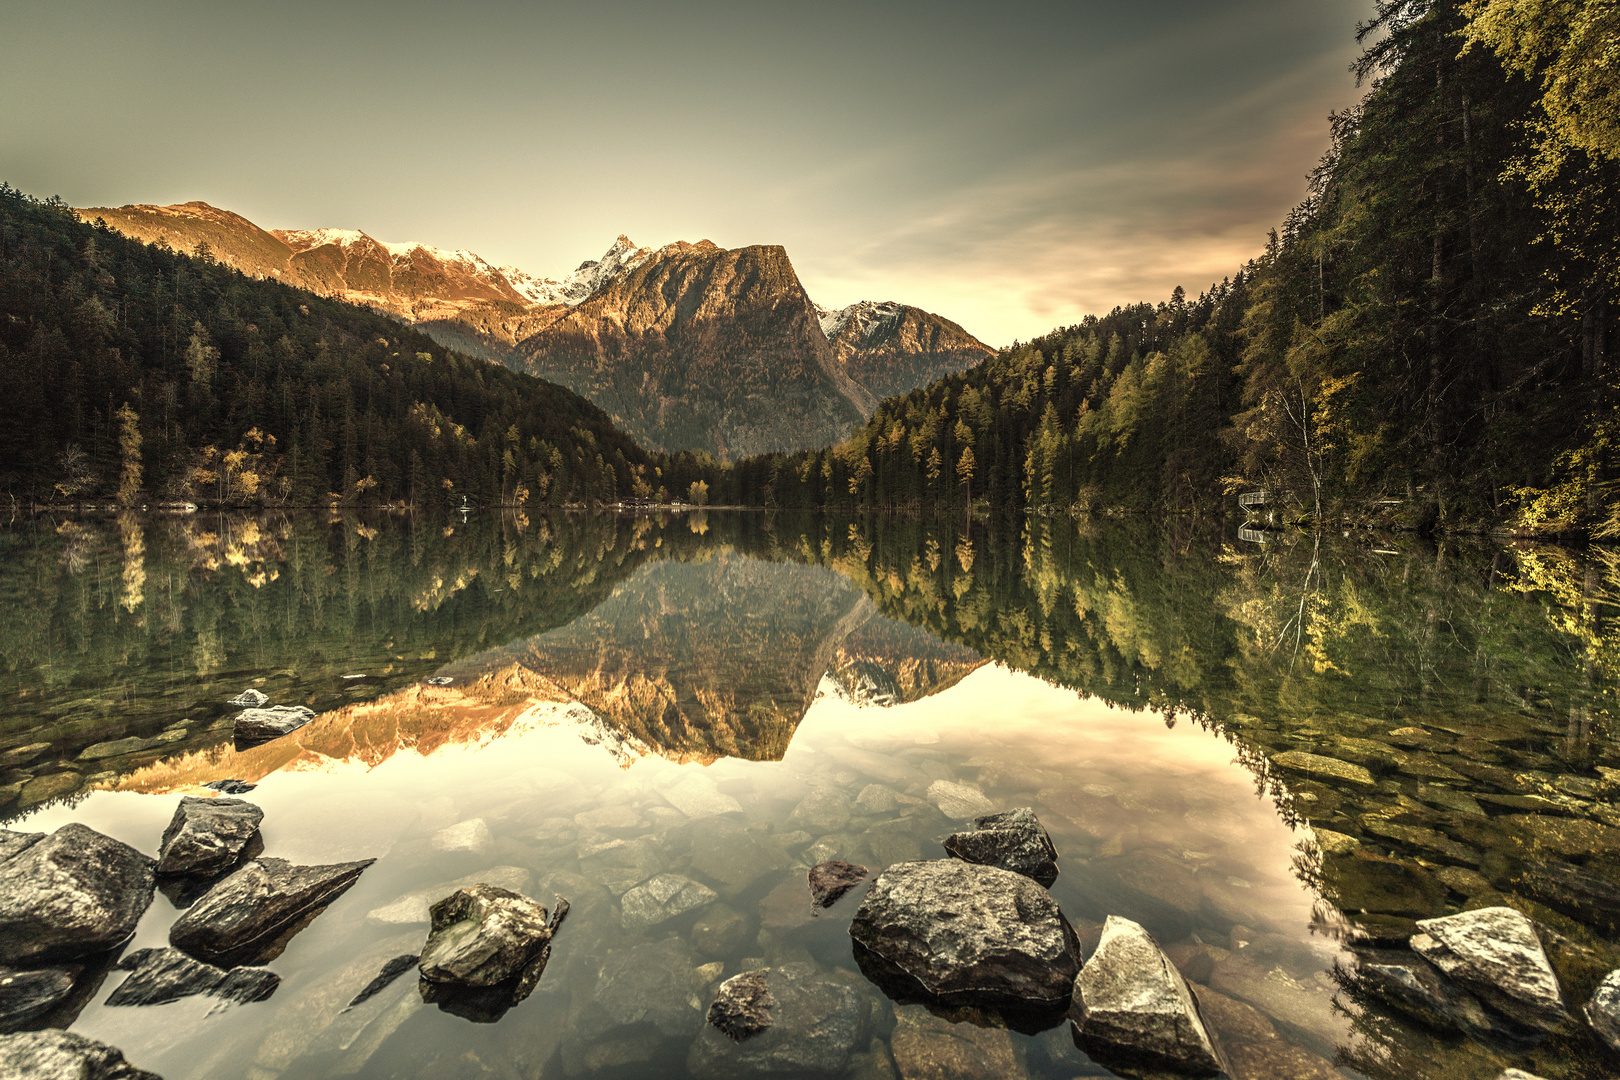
70	900
259	721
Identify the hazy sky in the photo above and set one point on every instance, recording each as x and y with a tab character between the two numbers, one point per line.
1012	166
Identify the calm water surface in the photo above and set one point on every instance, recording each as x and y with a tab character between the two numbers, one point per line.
732	698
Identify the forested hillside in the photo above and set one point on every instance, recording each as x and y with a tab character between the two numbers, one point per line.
1423	339
138	374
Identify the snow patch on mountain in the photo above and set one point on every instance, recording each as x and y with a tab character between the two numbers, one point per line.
304	239
870	317
621	257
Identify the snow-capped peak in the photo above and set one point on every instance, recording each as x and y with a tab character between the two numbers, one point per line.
304	239
870	316
621	257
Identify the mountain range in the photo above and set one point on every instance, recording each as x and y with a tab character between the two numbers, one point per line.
687	346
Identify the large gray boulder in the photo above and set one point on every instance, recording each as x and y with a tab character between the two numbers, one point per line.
62	1055
1603	1011
15	843
28	994
160	976
967	934
1131	1004
483	936
1494	954
1013	841
261	725
206	836
797	1024
72	894
243	918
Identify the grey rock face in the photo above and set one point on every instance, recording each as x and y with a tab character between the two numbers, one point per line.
163	975
15	843
62	1055
243	917
1131	1003
250	699
1013	841
829	881
28	995
970	935
662	898
1603	1011
259	725
207	835
484	936
796	1024
72	894
1494	953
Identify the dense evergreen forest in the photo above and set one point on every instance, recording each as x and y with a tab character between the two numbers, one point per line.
1423	341
141	374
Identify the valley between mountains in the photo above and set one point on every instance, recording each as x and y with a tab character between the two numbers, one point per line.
690	346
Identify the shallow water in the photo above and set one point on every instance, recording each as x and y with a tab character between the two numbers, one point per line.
732	698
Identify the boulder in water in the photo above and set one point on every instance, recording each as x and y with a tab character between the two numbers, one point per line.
1013	841
62	1055
1494	954
207	835
829	881
248	916
780	1021
160	976
262	725
72	894
487	938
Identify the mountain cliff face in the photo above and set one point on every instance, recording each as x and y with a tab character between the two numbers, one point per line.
687	347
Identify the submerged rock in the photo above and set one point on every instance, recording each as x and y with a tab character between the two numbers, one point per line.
959	800
662	898
1411	985
484	936
1592	898
1131	1003
246	917
1495	954
207	835
829	881
781	1021
250	699
967	934
392	970
1324	768
643	999
261	725
1603	1011
72	894
160	976
62	1055
26	996
1013	841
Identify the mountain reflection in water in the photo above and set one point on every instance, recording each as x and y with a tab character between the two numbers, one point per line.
631	697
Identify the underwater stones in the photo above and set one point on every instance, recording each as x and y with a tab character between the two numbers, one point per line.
43	788
696	796
732	857
262	725
877	799
968	934
1412	986
1162	893
243	917
1592	898
206	836
1371	883
829	881
720	931
231	786
644	994
62	1055
662	898
1274	1059
484	936
1603	1011
928	1047
1131	1003
1324	768
1564	836
250	699
159	976
781	1021
1430	840
472	836
1494	954
27	995
1335	843
72	894
1276	993
823	810
957	800
1013	840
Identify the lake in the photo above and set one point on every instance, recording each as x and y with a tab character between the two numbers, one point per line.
1274	751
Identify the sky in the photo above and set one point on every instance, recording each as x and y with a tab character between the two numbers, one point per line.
1011	166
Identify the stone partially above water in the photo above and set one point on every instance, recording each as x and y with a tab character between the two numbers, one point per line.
1603	1011
207	835
72	894
159	976
485	936
1131	1003
781	1021
62	1055
1494	953
968	934
1013	841
742	1006
250	699
829	881
28	995
243	918
261	725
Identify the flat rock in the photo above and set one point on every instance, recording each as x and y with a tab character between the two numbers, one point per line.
15	843
472	835
260	725
1603	1011
1494	953
62	1055
207	835
696	796
159	976
1324	768
968	934
243	918
789	1021
929	1047
959	800
1013	841
662	898
1130	1003
829	881
72	894
250	699
484	936
27	995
